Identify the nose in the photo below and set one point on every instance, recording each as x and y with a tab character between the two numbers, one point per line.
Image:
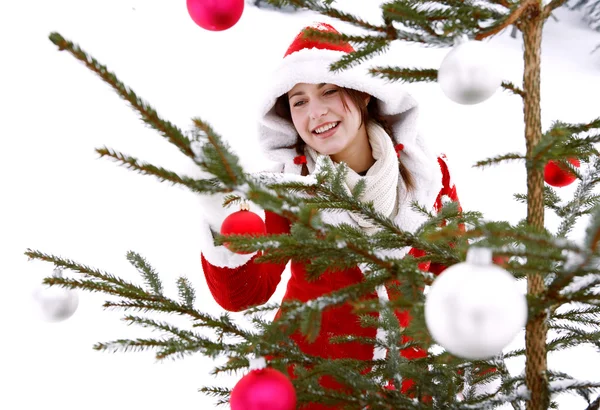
318	110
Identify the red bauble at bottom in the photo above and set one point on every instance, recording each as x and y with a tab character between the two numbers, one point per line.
263	389
243	223
557	176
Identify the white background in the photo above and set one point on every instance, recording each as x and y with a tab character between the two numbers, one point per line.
56	196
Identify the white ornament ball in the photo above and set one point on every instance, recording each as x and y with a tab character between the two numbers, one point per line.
55	303
475	309
469	73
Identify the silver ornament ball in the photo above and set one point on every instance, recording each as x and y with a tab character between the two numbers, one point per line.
55	303
475	309
469	73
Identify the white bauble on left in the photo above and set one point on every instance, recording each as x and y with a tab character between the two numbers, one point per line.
475	309
55	303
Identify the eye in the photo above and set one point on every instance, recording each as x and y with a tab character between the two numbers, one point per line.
329	92
298	103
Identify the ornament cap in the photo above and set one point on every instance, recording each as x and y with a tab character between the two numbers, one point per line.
479	256
460	39
258	363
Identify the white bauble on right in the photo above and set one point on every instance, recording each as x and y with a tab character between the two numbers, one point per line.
469	73
475	309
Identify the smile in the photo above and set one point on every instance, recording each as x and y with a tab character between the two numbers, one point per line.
329	130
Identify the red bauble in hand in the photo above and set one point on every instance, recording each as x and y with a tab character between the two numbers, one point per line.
263	389
243	222
215	15
556	175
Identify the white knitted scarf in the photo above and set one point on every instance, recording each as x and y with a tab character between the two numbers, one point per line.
381	179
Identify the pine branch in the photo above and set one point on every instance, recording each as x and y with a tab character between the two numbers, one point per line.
410	15
511	87
124	345
332	12
184	343
223	322
571	336
173	134
515	14
553	4
139	299
148	115
216	157
295	311
560	142
101	281
201	186
407	75
584	201
128	291
217	392
187	294
560	386
587	315
543	242
181	349
357	57
148	273
414	75
330	193
442	21
164	326
498	159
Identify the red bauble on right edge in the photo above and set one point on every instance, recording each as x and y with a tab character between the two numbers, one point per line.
557	176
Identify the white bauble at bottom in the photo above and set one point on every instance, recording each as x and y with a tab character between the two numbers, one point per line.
475	309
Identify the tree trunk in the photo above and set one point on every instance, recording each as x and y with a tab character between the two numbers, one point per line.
536	330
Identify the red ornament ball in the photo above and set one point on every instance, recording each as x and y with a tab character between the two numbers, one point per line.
215	15
556	175
263	389
243	223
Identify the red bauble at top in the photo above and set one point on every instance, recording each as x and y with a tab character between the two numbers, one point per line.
215	15
243	222
558	176
263	389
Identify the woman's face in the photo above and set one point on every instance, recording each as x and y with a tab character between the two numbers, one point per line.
323	122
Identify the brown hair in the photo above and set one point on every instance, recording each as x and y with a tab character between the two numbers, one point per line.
369	112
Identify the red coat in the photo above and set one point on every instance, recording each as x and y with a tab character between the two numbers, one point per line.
236	289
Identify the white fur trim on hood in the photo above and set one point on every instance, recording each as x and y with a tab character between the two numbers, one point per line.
278	136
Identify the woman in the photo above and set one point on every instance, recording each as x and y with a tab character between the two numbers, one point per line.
311	115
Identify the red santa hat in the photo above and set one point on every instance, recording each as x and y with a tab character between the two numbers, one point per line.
308	61
302	42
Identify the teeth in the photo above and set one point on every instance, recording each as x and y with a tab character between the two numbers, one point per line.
325	128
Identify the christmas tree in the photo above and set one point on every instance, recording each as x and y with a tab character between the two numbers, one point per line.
559	272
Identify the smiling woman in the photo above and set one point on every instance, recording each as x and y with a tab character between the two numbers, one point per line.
330	123
312	116
351	144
